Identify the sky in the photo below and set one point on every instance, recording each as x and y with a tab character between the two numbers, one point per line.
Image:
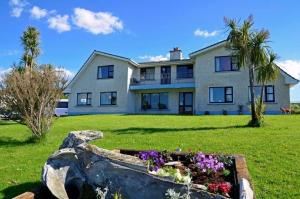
142	30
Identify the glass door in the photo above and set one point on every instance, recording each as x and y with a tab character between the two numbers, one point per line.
186	103
165	75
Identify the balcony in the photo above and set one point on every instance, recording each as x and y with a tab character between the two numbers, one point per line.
165	83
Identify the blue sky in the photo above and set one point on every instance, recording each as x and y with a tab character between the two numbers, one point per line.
142	30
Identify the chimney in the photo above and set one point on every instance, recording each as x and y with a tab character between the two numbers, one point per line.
175	54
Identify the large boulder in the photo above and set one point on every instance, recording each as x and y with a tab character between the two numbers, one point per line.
76	138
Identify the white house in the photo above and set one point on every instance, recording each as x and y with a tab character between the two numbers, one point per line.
208	82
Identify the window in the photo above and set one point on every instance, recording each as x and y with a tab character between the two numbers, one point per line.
108	98
269	93
154	101
105	72
147	73
62	105
84	99
226	63
220	95
184	71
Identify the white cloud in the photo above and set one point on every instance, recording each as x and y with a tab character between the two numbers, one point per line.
96	22
69	74
205	33
37	12
17	7
292	67
155	58
59	23
3	72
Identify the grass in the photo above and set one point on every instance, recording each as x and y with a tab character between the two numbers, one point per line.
272	152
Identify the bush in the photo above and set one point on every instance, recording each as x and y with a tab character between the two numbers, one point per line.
224	112
241	109
295	108
32	93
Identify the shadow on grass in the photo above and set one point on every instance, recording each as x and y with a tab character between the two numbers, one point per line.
140	130
11	142
6	122
16	190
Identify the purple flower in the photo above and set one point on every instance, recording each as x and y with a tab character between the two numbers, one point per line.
154	158
208	163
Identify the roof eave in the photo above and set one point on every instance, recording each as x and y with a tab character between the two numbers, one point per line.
203	50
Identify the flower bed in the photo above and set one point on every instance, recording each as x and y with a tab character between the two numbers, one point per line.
214	173
87	170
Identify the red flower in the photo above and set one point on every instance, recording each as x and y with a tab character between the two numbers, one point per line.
213	187
225	187
221	187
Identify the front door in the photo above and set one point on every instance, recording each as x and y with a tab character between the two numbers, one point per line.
165	75
186	103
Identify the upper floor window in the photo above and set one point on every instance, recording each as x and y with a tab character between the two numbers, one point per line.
84	99
268	93
226	63
147	73
185	71
108	98
105	72
220	95
154	101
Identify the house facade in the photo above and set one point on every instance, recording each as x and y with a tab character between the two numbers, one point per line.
209	82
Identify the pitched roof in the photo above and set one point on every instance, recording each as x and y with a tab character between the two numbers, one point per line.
202	50
90	58
288	78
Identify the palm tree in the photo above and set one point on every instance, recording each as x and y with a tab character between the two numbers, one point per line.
249	47
267	72
30	41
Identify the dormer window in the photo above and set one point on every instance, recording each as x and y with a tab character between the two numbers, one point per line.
226	63
105	72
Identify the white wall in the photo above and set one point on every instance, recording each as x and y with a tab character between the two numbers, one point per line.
205	77
87	82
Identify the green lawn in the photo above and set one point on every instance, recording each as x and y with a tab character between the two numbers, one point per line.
272	152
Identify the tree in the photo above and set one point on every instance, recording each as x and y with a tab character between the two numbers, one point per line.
267	72
250	48
30	41
32	90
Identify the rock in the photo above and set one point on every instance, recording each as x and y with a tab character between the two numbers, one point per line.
175	163
76	138
245	190
86	171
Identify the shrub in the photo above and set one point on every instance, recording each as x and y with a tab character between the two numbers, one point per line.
33	94
241	109
224	112
295	108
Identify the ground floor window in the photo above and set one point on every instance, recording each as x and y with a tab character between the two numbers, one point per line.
108	98
154	101
220	95
84	99
268	93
